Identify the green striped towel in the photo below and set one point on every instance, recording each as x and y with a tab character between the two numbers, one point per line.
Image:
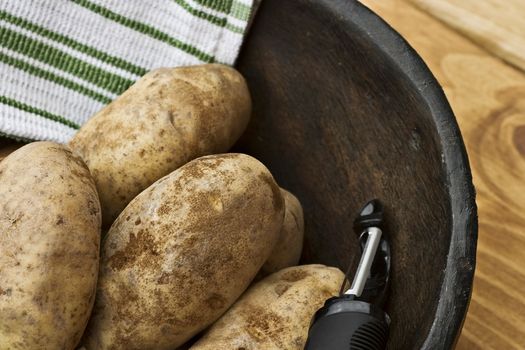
63	60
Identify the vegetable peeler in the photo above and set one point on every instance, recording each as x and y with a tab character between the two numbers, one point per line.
355	320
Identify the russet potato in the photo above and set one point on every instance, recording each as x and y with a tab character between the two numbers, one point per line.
49	247
289	247
275	313
183	251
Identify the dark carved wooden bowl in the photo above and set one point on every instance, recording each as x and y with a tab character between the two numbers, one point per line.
346	111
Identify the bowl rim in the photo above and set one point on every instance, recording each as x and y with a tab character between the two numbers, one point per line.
456	286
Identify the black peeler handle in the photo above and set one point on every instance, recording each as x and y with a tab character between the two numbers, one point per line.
354	320
349	324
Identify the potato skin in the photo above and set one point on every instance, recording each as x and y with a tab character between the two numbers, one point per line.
183	251
49	247
167	118
276	312
289	247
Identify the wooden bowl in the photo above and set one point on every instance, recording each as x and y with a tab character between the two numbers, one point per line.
346	111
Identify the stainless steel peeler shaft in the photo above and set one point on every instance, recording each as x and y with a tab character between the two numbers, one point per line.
365	263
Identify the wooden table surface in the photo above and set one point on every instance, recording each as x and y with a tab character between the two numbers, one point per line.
481	72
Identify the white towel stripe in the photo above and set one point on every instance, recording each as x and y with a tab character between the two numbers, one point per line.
58	72
64	48
32	126
92	34
157	13
46	95
91	29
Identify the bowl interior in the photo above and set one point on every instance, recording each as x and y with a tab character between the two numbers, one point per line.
338	123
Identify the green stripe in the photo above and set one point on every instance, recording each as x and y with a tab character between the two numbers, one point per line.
100	55
240	11
221	22
230	7
53	78
26	46
16	138
27	108
234	29
145	29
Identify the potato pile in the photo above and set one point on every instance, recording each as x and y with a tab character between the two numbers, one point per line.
190	228
163	121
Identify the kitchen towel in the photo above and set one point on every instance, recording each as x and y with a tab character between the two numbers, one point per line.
63	60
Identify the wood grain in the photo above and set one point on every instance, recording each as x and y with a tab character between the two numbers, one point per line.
488	98
496	25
